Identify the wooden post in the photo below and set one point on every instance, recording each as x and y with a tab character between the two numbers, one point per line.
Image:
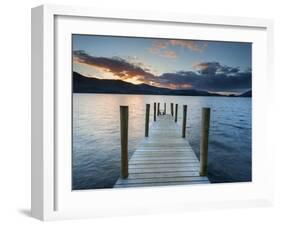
184	121
158	109
124	121
204	141
154	111
176	113
172	109
147	112
164	108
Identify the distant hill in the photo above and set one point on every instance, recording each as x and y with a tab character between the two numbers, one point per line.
246	94
83	84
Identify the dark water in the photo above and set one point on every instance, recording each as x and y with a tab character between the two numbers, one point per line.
96	141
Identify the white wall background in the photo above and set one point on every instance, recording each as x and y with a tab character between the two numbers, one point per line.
15	112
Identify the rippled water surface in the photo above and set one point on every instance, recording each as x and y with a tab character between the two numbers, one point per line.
96	138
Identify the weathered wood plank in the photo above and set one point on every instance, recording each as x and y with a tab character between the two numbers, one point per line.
159	180
165	151
155	155
140	158
136	161
161	184
165	166
163	170
162	175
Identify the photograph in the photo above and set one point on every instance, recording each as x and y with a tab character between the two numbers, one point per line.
152	111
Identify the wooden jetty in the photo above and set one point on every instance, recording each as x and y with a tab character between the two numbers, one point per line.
163	157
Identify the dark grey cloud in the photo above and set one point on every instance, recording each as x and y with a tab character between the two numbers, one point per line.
212	82
207	68
212	68
228	70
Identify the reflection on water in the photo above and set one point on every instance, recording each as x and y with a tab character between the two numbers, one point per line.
96	138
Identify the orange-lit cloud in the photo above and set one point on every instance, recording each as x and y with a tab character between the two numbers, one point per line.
141	63
117	66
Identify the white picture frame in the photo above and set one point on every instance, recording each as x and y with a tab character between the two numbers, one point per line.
51	197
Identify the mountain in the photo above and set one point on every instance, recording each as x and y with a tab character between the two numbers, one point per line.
83	84
246	94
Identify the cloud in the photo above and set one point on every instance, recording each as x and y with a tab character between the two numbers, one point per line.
158	44
141	63
216	83
212	68
195	46
210	76
209	68
169	54
116	65
162	47
228	70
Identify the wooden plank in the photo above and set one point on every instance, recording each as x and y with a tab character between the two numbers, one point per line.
162	175
167	165
156	155
159	180
176	146
136	161
164	145
165	151
161	184
163	170
144	158
165	155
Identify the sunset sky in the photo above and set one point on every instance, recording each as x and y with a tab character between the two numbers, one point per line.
177	64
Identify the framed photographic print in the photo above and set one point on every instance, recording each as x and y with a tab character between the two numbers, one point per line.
137	112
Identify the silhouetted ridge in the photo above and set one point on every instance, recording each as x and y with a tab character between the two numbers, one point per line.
83	84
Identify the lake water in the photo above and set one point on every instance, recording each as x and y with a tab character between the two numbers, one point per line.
96	137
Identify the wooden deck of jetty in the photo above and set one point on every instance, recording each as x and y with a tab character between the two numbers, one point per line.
163	158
